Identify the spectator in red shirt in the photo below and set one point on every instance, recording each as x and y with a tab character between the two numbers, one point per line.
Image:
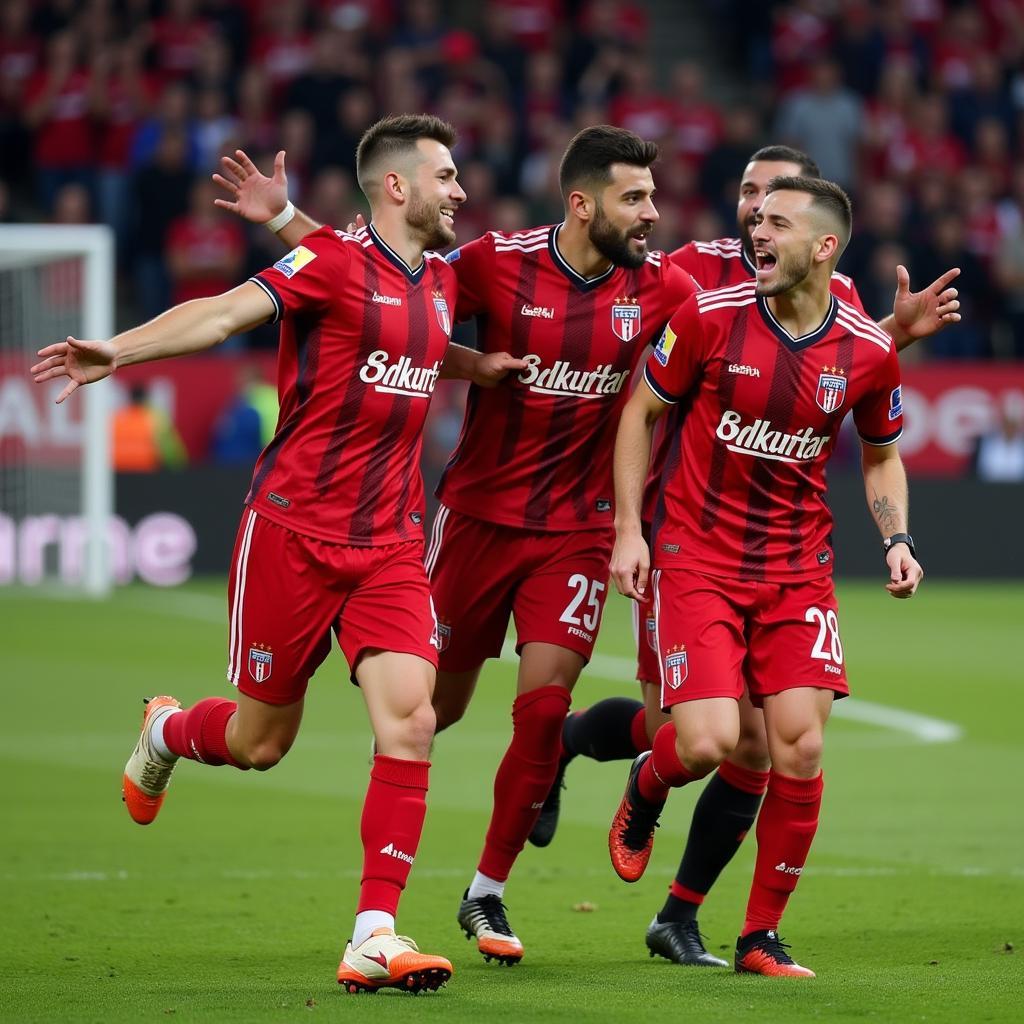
177	38
124	100
697	123
283	45
205	249
639	106
930	143
59	103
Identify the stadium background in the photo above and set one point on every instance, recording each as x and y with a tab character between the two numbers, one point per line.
117	112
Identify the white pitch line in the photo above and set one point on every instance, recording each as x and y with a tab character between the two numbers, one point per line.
269	874
923	728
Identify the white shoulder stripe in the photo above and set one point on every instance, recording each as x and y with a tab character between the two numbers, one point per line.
854	329
857	317
727	303
520	236
735	289
536	247
713	249
843	279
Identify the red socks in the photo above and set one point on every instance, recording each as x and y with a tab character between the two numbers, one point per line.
663	770
785	830
392	822
638	731
199	733
524	776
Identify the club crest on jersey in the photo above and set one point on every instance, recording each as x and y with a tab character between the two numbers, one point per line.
677	668
298	258
831	388
626	318
261	663
441	309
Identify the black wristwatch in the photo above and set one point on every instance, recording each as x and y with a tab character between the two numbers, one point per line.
899	538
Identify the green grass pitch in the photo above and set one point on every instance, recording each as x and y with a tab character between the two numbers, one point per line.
235	905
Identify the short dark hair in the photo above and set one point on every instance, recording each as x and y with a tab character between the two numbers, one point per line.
788	155
825	195
589	157
396	133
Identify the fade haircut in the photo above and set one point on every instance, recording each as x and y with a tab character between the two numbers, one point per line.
588	161
396	135
788	155
826	196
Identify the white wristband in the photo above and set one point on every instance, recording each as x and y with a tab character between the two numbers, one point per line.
284	217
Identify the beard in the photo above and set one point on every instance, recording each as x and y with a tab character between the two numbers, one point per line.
788	273
425	220
613	244
746	230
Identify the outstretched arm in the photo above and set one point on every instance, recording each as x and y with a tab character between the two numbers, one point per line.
486	370
885	484
259	199
631	558
917	315
191	327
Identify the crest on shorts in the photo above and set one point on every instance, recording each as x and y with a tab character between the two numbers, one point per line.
652	632
831	388
442	635
441	309
677	668
626	318
261	662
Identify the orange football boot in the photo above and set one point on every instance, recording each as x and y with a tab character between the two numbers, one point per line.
147	775
387	960
765	953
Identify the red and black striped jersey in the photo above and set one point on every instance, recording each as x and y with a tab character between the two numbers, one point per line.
743	490
362	340
536	451
716	264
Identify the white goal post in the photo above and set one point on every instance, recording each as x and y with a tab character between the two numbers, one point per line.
55	280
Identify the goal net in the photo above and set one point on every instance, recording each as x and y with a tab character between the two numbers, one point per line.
56	481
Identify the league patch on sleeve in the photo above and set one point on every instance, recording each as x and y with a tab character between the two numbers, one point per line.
664	347
896	403
298	258
454	255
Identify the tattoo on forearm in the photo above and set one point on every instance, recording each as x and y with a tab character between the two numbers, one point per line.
886	513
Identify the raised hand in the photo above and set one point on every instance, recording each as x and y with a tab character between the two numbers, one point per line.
255	197
923	313
82	362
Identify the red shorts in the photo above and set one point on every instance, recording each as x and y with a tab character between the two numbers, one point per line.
717	635
554	584
644	632
647	661
288	591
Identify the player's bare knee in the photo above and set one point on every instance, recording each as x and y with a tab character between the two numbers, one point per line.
802	756
415	729
262	755
705	753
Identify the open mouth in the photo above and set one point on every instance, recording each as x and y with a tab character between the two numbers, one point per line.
448	215
764	260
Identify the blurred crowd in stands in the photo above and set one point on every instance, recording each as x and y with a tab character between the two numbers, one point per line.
117	111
